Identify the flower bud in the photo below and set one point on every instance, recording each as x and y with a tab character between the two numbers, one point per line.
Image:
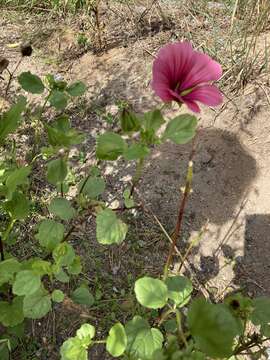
129	121
26	49
3	64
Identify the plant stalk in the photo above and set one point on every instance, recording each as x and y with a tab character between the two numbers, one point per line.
2	249
137	175
178	225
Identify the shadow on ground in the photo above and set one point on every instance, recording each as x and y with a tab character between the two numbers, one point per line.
252	269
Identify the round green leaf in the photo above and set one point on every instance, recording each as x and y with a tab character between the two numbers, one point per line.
41	267
117	340
73	349
151	293
18	206
18	177
261	312
86	332
11	119
110	146
92	187
62	208
82	296
58	99
11	314
78	88
142	341
110	229
50	234
58	296
179	289
136	151
37	305
75	267
64	254
26	283
7	270
31	83
57	171
213	327
181	129
61	276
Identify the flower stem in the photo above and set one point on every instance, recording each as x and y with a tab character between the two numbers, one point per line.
9	228
180	217
179	328
137	175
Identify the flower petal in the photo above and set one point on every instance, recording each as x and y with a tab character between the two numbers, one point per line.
206	94
192	105
173	62
162	91
204	69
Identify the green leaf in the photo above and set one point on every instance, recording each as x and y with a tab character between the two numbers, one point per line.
142	341
31	83
116	342
85	334
37	305
58	296
110	229
11	119
62	208
4	349
26	283
128	199
8	268
18	206
58	100
213	327
63	254
50	234
75	268
61	133
92	187
41	267
151	293
82	296
17	330
18	177
110	146
61	276
152	120
261	312
57	171
181	129
179	289
136	152
73	349
11	314
78	88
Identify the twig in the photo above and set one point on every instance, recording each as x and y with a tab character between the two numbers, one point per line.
2	249
11	75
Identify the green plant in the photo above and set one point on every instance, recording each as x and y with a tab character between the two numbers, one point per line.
168	325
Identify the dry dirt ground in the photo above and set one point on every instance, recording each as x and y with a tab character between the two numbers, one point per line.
231	192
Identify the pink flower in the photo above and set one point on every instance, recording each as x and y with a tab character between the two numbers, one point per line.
183	75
